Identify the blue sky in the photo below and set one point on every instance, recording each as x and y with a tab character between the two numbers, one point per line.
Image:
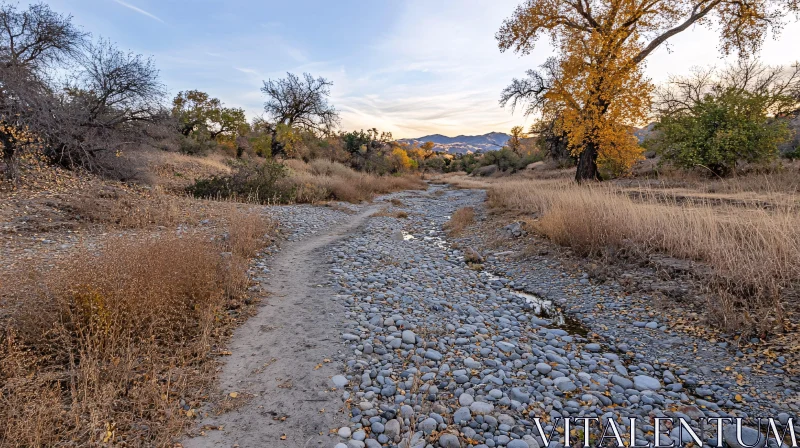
413	67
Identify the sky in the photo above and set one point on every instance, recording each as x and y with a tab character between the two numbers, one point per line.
411	67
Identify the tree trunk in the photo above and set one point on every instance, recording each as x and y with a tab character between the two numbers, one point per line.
275	146
9	159
587	164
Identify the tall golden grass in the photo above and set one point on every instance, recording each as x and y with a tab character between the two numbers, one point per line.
125	209
754	253
459	221
102	349
322	179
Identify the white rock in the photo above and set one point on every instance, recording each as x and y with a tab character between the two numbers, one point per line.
481	408
339	381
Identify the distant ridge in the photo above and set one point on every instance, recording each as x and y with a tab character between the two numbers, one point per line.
463	144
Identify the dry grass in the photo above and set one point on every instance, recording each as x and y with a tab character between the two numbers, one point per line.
780	178
461	180
125	209
754	253
246	232
322	179
461	218
174	171
399	214
102	349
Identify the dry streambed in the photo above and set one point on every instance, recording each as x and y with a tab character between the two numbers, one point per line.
443	354
405	345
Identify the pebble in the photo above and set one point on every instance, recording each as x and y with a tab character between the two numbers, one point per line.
449	441
644	382
339	381
428	340
749	436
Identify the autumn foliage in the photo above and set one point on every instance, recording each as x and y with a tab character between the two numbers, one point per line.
595	84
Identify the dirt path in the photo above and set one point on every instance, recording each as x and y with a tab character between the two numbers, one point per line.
279	355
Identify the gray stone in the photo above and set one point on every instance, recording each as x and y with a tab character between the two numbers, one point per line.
392	429
434	355
621	382
644	382
564	384
749	436
462	416
505	346
339	381
481	408
517	394
428	425
465	399
449	441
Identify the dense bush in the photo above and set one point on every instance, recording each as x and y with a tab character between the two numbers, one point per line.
504	159
270	181
721	131
250	181
108	344
720	119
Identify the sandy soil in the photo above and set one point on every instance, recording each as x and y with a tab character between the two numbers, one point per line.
284	357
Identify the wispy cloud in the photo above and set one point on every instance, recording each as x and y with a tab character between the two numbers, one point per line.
428	75
139	10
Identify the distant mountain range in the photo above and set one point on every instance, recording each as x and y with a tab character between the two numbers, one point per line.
463	144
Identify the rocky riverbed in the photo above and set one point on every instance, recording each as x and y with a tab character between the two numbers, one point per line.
378	333
440	354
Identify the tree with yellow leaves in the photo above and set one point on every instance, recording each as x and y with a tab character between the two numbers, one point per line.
596	84
515	142
400	160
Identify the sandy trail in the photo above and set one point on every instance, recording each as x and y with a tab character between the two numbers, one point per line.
276	354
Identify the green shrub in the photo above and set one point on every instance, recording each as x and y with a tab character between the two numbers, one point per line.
250	181
721	130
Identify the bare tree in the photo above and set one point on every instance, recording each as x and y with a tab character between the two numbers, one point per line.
31	41
37	36
778	86
25	101
301	103
530	92
105	105
107	99
552	139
